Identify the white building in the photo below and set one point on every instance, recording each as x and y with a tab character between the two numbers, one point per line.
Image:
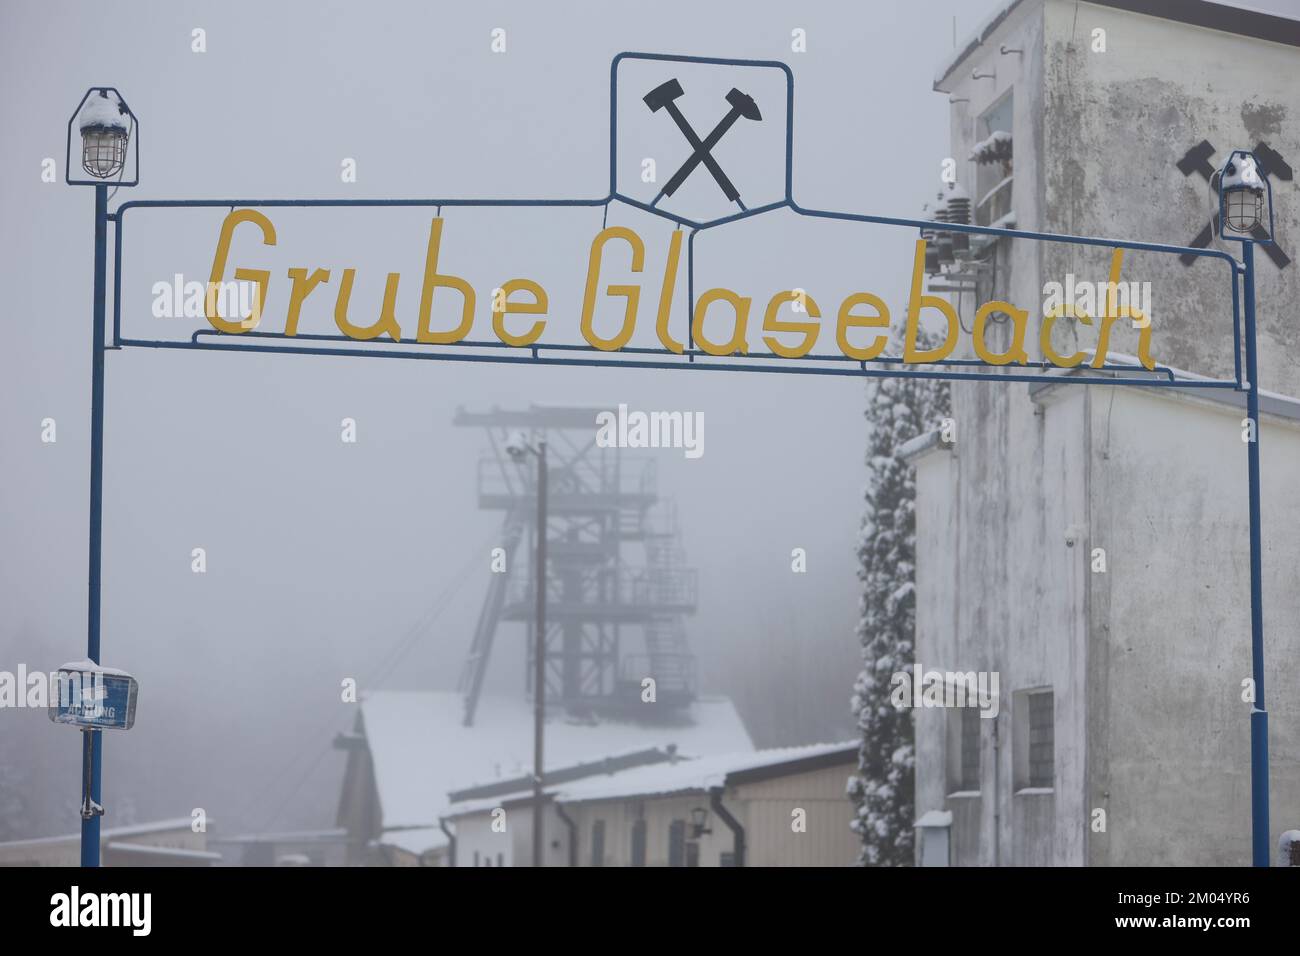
410	750
161	843
779	807
1122	735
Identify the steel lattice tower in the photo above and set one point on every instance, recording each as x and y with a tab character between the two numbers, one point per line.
603	509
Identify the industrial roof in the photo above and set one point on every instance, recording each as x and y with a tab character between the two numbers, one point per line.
421	752
681	776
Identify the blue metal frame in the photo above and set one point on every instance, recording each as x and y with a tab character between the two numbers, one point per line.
692	358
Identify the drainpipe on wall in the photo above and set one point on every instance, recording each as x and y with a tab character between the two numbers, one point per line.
573	832
451	840
997	792
738	832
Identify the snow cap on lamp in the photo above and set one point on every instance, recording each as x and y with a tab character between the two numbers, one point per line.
104	122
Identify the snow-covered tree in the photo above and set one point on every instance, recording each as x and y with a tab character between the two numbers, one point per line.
898	409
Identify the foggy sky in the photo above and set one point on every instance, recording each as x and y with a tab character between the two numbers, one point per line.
324	557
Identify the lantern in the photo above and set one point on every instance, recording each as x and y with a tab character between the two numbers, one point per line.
105	128
1241	195
109	140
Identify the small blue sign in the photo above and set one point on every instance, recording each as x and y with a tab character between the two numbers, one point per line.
94	698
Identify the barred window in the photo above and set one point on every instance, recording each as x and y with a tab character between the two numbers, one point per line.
638	843
677	843
1042	739
598	843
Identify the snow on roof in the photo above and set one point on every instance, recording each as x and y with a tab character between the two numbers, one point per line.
147	849
420	750
935	818
692	775
414	840
1270	402
138	829
86	665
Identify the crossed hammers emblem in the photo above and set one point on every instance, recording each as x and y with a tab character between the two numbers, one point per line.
664	97
1197	160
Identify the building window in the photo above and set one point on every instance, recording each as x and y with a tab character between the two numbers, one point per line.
693	853
501	859
638	843
1035	739
598	843
677	843
476	863
964	738
727	859
992	154
1042	740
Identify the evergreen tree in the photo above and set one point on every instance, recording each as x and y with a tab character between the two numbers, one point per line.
899	409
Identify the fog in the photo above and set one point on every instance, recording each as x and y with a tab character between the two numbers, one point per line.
328	560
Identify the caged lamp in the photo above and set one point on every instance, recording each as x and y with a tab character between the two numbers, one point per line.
1241	195
107	130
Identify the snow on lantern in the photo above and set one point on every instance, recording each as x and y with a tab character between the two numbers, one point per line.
1241	194
105	125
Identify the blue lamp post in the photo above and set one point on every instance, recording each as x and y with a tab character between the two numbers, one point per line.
109	157
1242	195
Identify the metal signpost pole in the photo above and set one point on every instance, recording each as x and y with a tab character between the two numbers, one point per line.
539	655
1259	714
92	742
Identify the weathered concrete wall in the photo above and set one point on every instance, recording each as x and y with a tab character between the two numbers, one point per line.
1000	587
1170	733
1115	125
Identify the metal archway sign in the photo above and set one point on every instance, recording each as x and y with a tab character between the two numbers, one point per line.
702	164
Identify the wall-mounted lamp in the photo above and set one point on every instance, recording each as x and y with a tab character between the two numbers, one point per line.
1005	50
699	817
1242	197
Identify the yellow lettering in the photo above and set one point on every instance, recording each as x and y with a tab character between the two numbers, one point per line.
666	293
536	307
387	323
848	320
302	286
741	306
431	281
260	276
1016	351
915	304
773	323
631	293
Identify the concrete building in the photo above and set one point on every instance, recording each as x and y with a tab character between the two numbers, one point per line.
781	807
162	843
1090	543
